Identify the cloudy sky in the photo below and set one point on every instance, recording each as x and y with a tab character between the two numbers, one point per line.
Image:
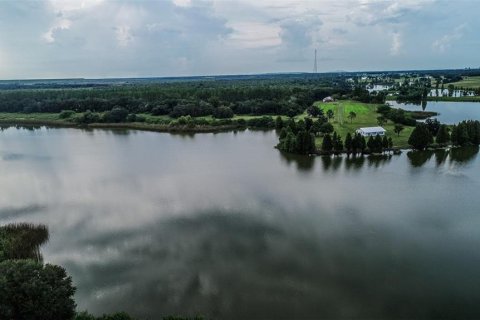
127	38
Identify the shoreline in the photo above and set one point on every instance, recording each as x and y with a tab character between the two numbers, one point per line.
125	126
181	130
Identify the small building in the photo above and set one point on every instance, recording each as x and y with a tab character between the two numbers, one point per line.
328	99
371	131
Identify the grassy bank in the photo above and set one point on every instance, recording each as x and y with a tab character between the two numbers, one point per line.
366	117
468	82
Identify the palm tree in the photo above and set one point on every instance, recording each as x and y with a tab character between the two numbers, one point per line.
352	115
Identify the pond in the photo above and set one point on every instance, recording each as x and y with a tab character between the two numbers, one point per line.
449	112
225	226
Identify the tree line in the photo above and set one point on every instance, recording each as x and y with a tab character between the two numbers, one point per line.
462	134
299	138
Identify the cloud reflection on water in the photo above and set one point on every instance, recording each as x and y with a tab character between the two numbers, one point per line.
224	226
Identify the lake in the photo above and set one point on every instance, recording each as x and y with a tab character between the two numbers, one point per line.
449	112
225	226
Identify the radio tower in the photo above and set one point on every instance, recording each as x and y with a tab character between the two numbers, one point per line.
315	63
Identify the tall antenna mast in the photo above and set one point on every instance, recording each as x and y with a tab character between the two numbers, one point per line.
315	63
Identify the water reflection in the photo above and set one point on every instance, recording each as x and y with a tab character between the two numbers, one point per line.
220	225
231	265
335	163
419	158
441	156
302	163
461	155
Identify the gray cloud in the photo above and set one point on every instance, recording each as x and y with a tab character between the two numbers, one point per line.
106	38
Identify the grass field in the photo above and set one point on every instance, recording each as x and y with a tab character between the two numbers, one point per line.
468	82
366	117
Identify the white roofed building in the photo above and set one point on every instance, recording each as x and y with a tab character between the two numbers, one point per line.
371	131
328	99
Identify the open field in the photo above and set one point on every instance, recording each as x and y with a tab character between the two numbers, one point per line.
366	117
468	82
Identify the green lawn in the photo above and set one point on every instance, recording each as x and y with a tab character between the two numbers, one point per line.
366	117
29	116
468	82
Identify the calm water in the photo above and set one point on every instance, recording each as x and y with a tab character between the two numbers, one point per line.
450	112
225	226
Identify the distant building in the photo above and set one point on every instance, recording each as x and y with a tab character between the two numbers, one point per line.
371	131
328	99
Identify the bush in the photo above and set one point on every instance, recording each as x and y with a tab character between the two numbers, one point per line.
66	114
87	117
116	115
223	113
131	117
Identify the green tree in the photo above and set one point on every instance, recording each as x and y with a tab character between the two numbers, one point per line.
349	143
223	112
292	125
352	115
308	123
398	128
304	142
454	135
443	136
433	125
327	127
462	135
371	143
384	143
390	143
421	137
327	143
115	115
279	123
22	241
337	143
30	290
330	114
316	127
381	120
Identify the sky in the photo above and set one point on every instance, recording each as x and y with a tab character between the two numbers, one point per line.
135	38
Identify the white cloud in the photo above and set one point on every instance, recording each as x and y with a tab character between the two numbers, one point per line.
396	44
61	24
64	6
446	41
182	3
372	12
255	34
124	35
